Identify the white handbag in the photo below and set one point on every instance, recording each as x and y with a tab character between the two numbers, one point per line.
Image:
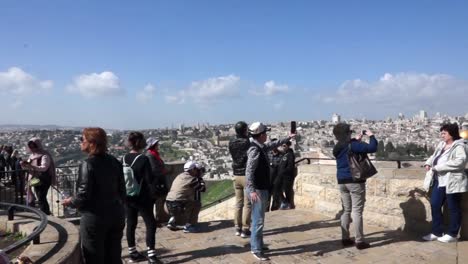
428	180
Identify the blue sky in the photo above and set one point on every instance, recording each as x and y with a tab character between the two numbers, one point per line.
149	64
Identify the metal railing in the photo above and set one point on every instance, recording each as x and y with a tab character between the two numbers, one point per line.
398	161
13	188
225	198
35	235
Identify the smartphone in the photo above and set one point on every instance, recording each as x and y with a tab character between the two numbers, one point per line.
363	132
293	127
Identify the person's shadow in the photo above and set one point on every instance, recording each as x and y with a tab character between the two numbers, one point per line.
414	213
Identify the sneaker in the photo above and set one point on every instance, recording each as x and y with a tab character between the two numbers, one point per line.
238	231
260	256
136	257
447	239
153	260
430	237
245	234
190	229
362	245
284	206
172	227
347	242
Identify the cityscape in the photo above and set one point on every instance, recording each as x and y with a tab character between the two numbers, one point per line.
402	137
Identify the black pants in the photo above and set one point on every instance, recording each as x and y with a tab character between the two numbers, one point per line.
288	185
41	192
146	213
277	194
101	237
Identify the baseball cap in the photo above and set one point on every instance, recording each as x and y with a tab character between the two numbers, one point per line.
258	128
190	165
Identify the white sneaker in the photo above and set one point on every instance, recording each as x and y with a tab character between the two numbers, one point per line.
430	237
447	239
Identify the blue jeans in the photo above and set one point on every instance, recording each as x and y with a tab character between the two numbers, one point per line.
438	198
258	217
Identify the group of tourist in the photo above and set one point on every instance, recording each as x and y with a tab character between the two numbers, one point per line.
111	193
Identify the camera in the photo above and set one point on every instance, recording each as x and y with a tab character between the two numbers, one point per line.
364	132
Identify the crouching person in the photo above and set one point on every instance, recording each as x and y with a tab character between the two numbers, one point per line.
180	200
199	188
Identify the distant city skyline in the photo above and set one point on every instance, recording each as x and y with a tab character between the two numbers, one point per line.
154	64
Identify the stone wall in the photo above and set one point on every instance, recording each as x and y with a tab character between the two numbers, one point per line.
394	196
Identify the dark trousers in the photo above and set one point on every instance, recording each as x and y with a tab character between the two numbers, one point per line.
438	198
288	184
146	212
41	192
101	237
277	194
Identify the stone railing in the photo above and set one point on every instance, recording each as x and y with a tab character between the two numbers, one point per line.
394	197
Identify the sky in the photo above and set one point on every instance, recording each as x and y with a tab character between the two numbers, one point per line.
153	64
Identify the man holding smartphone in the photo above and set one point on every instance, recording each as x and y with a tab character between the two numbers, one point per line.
258	183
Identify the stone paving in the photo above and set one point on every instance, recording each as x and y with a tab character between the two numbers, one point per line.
296	236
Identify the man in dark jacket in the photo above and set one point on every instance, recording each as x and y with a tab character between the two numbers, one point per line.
276	192
286	172
238	148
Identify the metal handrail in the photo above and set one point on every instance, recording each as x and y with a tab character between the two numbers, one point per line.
35	235
398	161
227	197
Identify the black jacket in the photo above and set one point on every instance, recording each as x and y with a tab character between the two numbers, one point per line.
238	148
286	167
100	186
159	187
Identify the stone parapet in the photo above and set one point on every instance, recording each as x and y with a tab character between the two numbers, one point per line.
59	242
394	197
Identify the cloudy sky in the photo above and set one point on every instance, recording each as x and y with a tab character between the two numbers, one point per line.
149	64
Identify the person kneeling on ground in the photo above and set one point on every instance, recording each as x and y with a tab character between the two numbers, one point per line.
199	188
181	198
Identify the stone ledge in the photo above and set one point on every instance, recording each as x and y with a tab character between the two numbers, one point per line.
60	242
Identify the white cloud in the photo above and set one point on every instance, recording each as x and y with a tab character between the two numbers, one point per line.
19	83
407	91
270	88
208	91
146	94
96	84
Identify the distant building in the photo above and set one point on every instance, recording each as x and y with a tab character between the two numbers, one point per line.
422	115
336	118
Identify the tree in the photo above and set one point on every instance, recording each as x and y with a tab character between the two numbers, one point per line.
389	147
381	150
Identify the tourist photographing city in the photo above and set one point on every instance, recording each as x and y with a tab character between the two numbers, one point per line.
233	132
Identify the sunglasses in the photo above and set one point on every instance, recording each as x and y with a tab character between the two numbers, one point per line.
81	139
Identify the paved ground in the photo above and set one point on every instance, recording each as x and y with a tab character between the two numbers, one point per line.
297	236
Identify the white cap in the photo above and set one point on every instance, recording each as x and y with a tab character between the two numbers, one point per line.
258	128
190	165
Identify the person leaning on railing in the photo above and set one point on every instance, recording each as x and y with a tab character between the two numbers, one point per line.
449	182
353	193
100	196
41	173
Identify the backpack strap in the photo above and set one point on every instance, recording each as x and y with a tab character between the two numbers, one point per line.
135	160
